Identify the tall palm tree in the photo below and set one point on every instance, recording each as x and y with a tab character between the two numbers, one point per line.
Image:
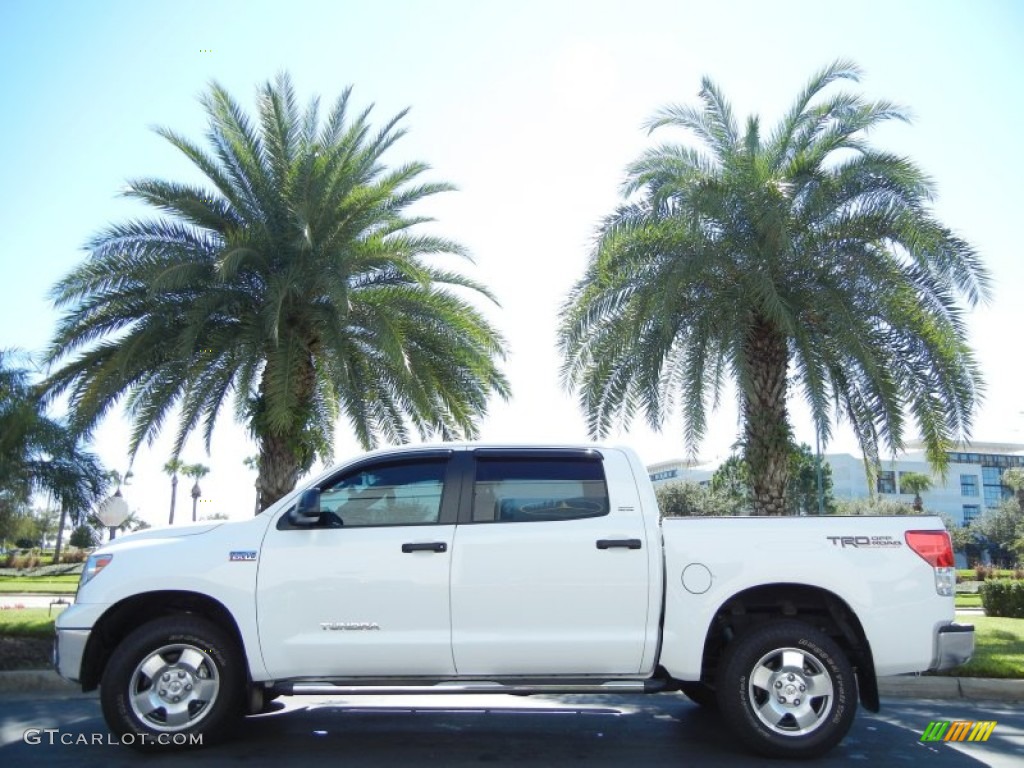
295	279
197	472
39	454
915	483
172	468
801	258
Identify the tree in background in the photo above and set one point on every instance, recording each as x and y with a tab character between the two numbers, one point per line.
83	537
41	455
1000	530
1013	478
915	483
197	472
295	278
173	467
799	248
694	500
873	506
732	478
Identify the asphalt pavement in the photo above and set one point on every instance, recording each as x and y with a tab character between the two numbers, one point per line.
460	731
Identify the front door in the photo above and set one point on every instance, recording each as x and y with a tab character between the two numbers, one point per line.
365	591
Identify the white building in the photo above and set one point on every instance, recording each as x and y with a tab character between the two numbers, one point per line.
973	480
681	471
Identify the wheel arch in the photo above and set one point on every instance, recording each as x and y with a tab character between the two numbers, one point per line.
127	615
814	605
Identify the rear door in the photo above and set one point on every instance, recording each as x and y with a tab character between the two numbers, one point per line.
549	565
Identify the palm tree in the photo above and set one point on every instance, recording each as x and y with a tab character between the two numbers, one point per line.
295	279
1013	478
253	463
39	454
172	468
804	249
197	472
915	483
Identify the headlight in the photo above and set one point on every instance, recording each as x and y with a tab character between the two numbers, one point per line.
93	566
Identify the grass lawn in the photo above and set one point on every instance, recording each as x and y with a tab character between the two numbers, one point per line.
28	621
25	585
998	648
963	600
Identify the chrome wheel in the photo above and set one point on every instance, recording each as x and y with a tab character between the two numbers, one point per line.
791	691
174	687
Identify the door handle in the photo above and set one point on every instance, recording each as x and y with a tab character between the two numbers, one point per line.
430	546
618	543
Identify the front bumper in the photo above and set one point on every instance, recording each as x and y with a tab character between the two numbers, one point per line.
954	645
68	652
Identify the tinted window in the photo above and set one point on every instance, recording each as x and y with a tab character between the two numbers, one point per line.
532	490
391	494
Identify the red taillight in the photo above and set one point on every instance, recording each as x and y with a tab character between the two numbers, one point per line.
934	546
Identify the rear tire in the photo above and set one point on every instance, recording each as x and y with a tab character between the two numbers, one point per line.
174	683
787	690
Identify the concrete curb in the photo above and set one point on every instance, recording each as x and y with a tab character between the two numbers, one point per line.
45	681
975	688
31	681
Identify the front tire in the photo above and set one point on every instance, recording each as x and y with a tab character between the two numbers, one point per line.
788	690
175	682
701	694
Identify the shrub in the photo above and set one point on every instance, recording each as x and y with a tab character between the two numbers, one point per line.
82	537
1003	597
982	571
74	556
21	562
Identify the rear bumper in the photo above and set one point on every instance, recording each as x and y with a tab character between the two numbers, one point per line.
954	645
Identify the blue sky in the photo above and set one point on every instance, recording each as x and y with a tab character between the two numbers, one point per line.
532	109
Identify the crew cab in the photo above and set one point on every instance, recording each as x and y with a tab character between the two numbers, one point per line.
475	568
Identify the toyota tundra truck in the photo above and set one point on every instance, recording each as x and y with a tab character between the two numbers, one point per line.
526	570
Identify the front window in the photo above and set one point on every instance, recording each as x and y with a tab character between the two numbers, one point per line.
406	493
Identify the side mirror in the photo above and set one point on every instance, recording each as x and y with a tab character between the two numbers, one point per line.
307	509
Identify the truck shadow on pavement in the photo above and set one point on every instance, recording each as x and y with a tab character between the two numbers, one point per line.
544	731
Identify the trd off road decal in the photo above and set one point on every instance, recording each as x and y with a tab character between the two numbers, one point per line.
865	542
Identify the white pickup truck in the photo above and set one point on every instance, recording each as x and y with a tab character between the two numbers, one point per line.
483	569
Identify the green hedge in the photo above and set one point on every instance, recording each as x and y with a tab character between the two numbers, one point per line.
1003	598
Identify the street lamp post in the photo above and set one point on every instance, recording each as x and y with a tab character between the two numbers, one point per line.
113	512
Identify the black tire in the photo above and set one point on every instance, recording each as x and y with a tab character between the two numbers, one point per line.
699	693
203	677
761	682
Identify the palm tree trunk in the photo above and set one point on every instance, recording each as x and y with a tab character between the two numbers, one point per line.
280	463
60	534
174	497
766	420
279	469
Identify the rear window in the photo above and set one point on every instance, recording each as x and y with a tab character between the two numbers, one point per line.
511	490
